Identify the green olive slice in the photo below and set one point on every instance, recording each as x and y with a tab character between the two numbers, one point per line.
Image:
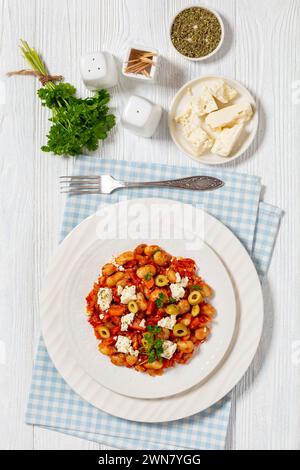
195	297
132	306
103	332
172	309
161	280
180	330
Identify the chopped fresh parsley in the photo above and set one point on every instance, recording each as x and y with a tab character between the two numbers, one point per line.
154	346
160	300
154	328
172	300
148	276
196	288
151	357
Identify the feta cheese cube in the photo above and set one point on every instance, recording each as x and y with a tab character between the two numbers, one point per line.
128	293
119	290
169	349
222	91
104	298
177	291
235	114
195	135
123	345
199	139
168	322
204	103
143	323
226	140
126	320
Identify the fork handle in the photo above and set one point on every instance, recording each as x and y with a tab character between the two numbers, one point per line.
199	183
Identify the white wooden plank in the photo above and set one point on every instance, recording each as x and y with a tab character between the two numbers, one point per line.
17	201
267	409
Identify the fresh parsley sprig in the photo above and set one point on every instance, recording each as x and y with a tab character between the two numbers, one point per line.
77	124
159	302
154	345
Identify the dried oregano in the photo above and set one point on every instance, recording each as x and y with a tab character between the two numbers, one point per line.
196	32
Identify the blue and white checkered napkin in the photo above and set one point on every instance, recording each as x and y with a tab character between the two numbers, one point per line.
54	405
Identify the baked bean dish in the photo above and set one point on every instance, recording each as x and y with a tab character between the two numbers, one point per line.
149	309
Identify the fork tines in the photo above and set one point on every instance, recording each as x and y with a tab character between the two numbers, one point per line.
79	184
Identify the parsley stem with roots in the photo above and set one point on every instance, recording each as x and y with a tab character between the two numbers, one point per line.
77	124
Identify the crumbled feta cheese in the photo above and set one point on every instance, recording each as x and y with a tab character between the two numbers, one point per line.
178	288
119	290
101	316
128	293
113	261
184	281
104	298
143	323
123	345
126	320
177	291
133	352
169	349
167	322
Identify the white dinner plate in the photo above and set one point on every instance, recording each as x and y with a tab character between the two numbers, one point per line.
181	102
77	272
235	362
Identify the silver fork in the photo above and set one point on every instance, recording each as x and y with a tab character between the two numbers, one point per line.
106	184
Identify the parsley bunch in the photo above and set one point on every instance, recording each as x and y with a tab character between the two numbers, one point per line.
154	345
77	124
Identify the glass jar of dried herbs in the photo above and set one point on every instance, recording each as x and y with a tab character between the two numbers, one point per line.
197	32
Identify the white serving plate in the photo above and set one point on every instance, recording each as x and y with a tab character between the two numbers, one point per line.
181	102
78	271
236	361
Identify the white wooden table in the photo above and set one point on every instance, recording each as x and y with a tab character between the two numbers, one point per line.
262	51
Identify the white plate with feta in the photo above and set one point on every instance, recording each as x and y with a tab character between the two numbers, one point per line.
76	266
213	119
231	369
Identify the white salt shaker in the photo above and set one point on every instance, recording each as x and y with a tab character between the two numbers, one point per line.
98	70
141	116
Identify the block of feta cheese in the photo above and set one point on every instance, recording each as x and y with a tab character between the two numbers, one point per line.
126	320
226	139
169	349
222	91
199	140
185	118
204	103
234	114
194	133
123	345
127	294
168	322
104	298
